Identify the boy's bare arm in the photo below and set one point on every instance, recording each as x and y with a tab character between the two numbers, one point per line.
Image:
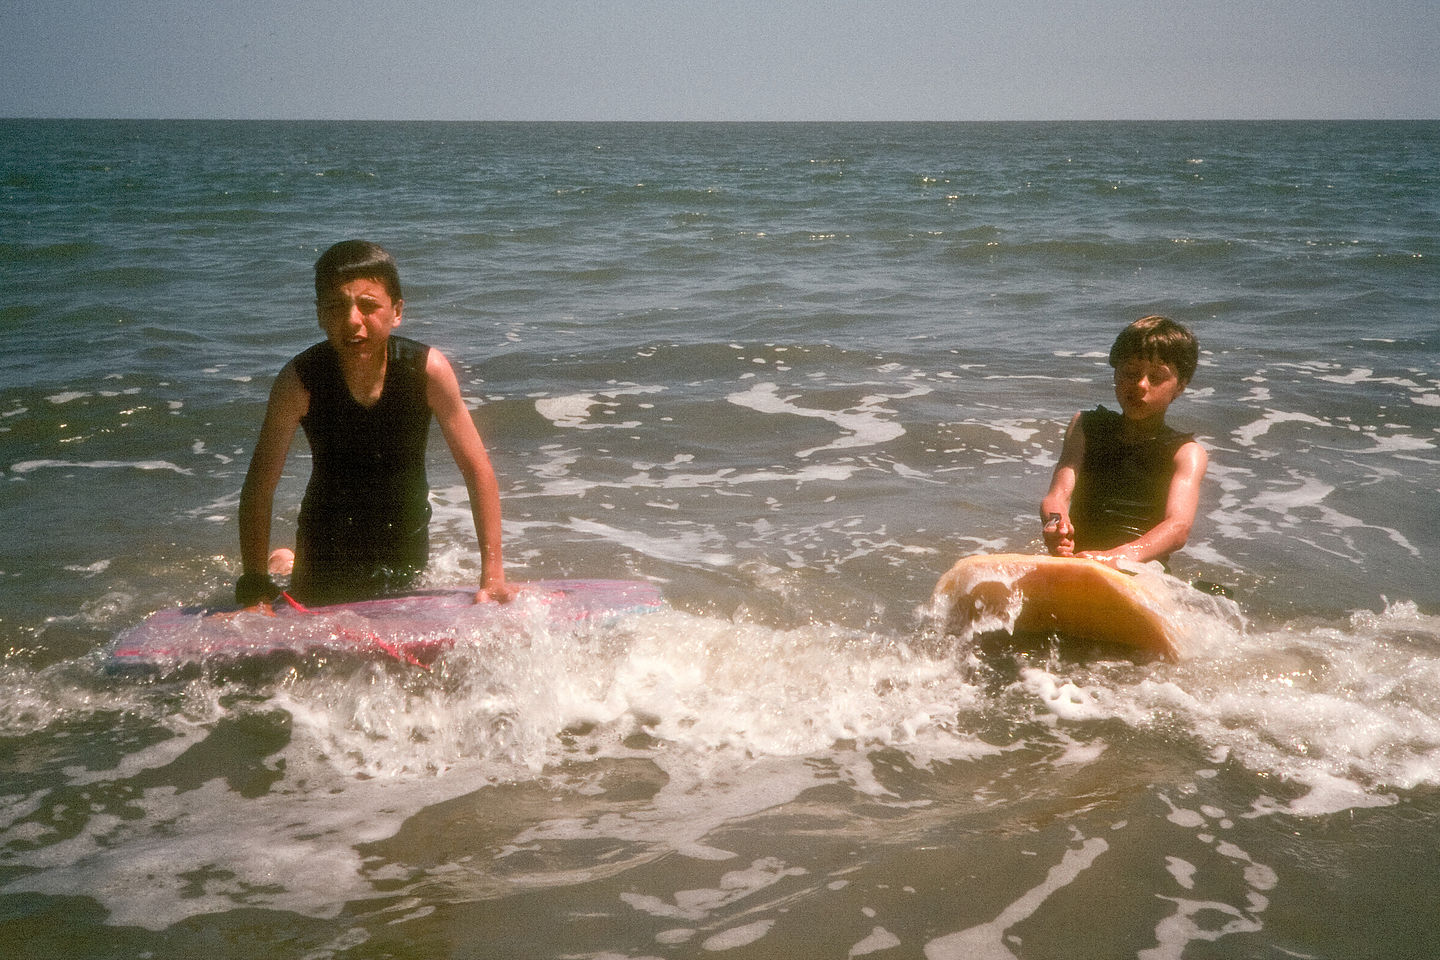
443	395
288	402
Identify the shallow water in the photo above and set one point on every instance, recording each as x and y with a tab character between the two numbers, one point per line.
789	374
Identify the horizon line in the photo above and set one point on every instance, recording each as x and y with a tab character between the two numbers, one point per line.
716	121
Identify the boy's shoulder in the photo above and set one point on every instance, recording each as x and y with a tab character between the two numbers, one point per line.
313	359
411	354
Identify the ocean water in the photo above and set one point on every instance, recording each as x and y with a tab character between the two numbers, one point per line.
789	374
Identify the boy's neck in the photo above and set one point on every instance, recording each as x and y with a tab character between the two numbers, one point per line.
365	375
1142	429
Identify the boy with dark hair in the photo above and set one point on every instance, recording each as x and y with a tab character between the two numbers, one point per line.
364	399
1127	486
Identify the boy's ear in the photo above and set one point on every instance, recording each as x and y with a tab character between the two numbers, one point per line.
399	313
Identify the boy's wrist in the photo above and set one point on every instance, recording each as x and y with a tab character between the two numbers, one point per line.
253	588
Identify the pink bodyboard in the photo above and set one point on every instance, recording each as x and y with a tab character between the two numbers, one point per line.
415	628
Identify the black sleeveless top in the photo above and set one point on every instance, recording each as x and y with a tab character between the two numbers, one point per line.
369	462
1121	488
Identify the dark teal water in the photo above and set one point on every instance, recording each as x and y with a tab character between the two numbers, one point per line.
789	373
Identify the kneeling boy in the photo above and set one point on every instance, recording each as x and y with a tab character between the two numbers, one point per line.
1127	485
365	399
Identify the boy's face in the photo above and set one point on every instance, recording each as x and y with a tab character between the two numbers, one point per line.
357	316
1146	386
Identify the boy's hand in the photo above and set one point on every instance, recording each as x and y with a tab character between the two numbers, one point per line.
496	591
1059	535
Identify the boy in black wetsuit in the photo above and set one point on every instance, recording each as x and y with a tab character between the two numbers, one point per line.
364	399
1127	486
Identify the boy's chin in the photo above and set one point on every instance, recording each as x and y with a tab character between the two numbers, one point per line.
1142	414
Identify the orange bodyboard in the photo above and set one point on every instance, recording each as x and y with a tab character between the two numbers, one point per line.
1062	596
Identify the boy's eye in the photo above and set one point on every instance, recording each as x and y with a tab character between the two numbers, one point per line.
366	306
1154	372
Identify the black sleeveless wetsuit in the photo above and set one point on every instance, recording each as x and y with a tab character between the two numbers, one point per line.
364	522
1121	488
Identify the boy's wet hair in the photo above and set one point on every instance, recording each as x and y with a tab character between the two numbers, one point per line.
356	260
1160	338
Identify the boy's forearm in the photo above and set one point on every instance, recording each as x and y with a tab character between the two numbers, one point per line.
492	565
1167	537
1157	543
254	516
484	493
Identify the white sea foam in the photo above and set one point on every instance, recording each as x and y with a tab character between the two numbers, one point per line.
1396	443
987	941
1247	435
1304	503
30	466
694	546
708	688
739	711
879	939
556	479
574	410
143	880
1340	712
864	425
727	477
1358	375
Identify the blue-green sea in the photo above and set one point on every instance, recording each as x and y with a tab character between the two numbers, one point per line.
789	373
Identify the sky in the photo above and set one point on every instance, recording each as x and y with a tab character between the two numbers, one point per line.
737	60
